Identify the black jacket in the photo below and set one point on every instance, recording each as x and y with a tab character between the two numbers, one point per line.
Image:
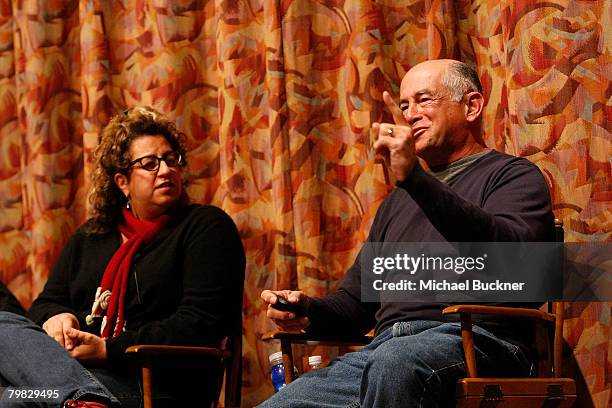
185	285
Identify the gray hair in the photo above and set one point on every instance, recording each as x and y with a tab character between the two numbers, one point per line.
459	79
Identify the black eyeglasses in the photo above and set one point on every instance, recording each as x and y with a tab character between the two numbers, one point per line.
151	162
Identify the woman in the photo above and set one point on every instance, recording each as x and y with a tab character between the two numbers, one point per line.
147	268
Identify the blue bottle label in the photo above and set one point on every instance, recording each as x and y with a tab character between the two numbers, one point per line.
277	374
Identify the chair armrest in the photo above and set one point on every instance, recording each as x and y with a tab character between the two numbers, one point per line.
499	311
151	350
304	338
287	338
466	311
281	334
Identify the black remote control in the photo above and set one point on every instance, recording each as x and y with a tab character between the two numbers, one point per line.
284	305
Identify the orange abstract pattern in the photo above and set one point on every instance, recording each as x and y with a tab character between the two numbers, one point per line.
277	98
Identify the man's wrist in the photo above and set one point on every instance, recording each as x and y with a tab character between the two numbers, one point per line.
412	176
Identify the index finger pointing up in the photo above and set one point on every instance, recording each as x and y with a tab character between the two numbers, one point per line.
394	109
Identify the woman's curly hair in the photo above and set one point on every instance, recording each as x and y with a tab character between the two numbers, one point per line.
112	156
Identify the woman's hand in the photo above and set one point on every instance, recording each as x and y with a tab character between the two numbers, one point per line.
287	321
91	349
57	326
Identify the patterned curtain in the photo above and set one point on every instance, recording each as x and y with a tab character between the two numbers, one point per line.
276	98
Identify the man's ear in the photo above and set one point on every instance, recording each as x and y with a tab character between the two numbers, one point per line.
121	180
474	105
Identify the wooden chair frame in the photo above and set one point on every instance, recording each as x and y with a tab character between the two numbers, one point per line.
288	339
560	390
556	390
230	356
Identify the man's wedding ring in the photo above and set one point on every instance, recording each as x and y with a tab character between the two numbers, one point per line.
390	131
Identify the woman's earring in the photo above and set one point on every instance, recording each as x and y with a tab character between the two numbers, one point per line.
127	204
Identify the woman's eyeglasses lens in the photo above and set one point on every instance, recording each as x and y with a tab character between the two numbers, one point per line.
151	163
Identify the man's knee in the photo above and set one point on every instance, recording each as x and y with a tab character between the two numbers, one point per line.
397	359
418	360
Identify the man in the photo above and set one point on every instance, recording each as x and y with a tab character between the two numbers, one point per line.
449	188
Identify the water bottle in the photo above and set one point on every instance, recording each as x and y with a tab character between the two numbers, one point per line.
277	371
314	362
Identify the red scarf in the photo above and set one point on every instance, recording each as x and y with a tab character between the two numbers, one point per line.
110	295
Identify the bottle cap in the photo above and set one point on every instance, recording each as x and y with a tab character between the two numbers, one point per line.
312	360
276	356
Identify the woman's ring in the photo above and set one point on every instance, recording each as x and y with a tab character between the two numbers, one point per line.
390	131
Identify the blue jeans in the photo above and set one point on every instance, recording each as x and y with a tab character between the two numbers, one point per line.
412	364
29	358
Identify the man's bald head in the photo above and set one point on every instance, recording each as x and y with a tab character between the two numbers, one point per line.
442	103
457	77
